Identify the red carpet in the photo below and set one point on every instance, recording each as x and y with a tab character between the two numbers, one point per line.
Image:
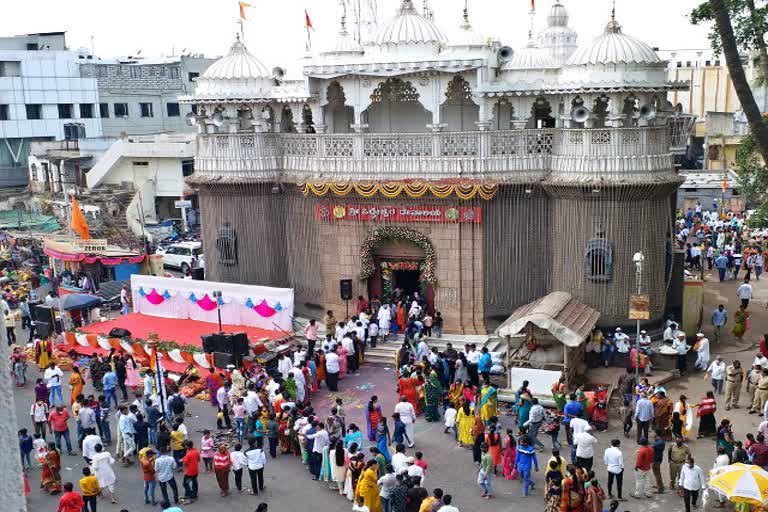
183	332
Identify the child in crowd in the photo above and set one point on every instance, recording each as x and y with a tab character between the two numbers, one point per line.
626	413
207	445
40	447
25	446
450	421
360	506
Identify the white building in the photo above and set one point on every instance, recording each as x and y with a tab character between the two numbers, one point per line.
42	98
140	96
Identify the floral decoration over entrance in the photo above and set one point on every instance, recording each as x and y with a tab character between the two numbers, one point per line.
368	267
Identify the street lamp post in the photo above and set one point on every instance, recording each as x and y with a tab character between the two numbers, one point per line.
638	259
217	298
153	340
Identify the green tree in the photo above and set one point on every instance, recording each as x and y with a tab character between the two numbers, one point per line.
748	17
753	179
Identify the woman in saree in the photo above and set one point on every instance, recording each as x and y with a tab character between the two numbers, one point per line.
558	394
213	383
400	317
493	440
433	391
368	489
320	368
43	353
356	466
464	421
372	417
455	394
478	439
725	437
75	385
508	458
342	353
407	387
523	409
354	436
283	431
338	467
572	499
383	439
132	379
489	404
50	476
686	415
706	412
662	414
740	322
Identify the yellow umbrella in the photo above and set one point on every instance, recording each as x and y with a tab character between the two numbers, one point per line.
741	483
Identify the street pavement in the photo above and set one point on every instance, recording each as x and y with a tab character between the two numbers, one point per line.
290	488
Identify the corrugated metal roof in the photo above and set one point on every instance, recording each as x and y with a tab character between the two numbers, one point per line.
567	319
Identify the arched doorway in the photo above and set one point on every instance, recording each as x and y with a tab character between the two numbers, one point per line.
458	111
395	108
397	263
338	116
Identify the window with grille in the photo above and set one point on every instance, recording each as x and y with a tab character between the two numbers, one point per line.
173	109
65	111
146	110
34	111
104	110
86	111
599	260
4	113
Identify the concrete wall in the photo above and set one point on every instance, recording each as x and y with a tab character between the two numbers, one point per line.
166	172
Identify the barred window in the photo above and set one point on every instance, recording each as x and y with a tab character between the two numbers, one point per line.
599	260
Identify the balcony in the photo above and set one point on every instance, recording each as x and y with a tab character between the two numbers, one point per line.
522	156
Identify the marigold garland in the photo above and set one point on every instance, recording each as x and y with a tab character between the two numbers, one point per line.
368	268
392	190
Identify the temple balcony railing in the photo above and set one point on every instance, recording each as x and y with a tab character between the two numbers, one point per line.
504	155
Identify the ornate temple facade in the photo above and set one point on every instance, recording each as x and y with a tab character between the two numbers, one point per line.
481	175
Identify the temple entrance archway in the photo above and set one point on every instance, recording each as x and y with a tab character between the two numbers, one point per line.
397	263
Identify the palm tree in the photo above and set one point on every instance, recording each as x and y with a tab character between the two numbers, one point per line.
738	77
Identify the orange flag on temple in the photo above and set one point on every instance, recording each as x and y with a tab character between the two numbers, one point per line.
243	5
533	5
79	225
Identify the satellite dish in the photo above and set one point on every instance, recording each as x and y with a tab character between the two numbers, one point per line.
191	119
580	114
217	119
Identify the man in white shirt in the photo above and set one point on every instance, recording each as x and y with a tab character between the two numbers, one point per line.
578	425
349	346
284	366
399	459
745	293
473	357
256	462
239	461
422	350
414	470
408	417
332	370
716	373
39	414
621	340
585	448
321	441
691	483
52	378
760	360
89	444
252	403
614	463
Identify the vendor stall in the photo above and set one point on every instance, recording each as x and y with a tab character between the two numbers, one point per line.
549	334
80	265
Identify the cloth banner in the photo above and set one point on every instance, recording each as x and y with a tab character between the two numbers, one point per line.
254	306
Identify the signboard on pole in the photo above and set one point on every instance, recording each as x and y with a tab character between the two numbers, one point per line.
183	203
639	307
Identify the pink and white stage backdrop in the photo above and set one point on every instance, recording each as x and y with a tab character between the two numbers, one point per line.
254	306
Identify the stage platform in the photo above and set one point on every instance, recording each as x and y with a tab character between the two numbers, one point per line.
183	332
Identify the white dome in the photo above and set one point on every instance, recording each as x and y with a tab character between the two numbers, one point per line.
558	15
530	57
239	64
467	36
345	44
409	27
614	47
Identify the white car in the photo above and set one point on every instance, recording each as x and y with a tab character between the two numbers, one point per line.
183	255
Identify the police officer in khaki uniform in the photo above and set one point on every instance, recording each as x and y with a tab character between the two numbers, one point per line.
734	377
762	394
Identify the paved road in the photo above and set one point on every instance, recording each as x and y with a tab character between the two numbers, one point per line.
289	487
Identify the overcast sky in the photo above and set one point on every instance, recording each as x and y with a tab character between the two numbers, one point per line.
275	32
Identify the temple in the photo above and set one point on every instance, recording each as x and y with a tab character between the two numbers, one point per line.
483	176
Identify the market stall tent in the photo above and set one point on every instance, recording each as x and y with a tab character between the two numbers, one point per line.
536	332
